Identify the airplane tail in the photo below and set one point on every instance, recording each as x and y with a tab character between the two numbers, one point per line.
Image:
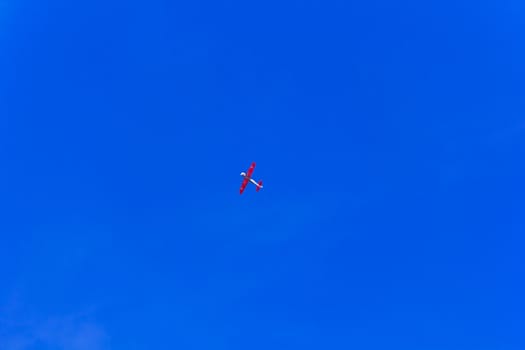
259	186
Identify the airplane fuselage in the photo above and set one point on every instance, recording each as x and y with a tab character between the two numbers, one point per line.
243	174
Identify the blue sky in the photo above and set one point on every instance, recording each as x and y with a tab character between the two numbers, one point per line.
389	135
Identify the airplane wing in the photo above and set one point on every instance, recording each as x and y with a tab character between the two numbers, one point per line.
249	173
250	170
244	184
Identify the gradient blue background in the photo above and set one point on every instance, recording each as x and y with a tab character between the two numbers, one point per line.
390	137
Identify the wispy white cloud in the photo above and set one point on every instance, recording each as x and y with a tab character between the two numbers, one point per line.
19	331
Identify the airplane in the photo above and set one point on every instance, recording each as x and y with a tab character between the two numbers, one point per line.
248	178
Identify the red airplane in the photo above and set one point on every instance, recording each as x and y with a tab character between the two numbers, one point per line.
248	178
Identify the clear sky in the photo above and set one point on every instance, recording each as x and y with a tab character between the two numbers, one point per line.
390	136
